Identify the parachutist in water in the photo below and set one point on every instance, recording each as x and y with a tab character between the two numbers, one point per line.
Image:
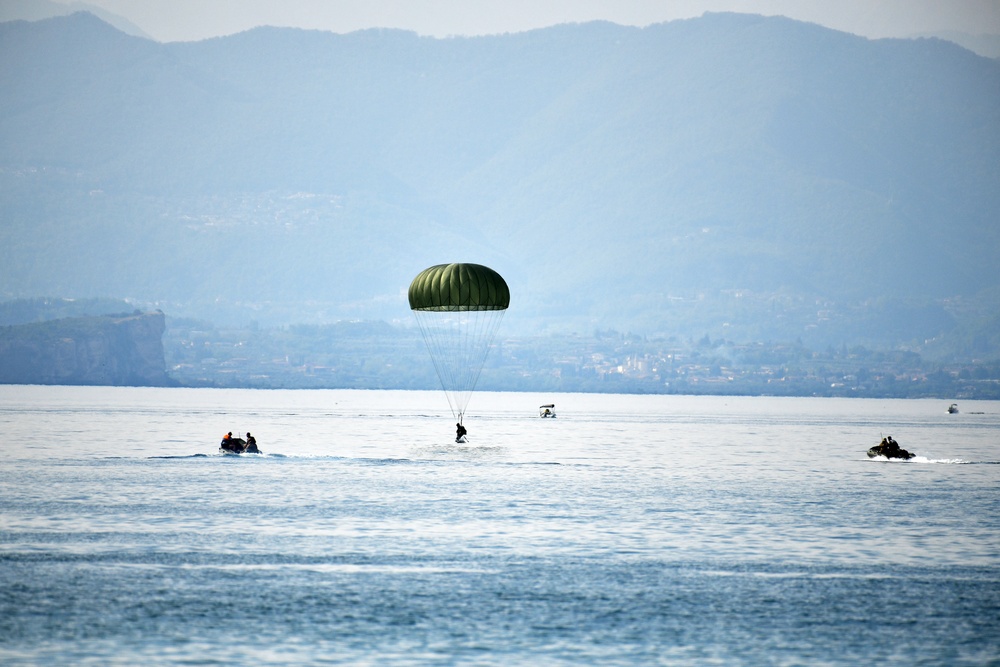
459	432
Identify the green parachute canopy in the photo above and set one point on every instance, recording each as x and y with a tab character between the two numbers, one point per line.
458	287
459	308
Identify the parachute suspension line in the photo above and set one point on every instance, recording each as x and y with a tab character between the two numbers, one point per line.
478	345
435	345
459	343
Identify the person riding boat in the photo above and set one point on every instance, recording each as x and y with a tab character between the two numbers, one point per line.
228	443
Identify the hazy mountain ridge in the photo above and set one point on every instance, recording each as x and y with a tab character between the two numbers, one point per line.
35	10
610	173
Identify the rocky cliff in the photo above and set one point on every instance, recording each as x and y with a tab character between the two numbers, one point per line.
102	350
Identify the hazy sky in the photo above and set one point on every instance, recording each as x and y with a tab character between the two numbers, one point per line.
185	20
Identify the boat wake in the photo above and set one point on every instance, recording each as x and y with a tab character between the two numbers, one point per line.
924	459
178	456
261	455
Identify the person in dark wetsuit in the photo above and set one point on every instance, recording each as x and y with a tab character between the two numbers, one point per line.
251	445
459	432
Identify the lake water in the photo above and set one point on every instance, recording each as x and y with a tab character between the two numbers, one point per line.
629	530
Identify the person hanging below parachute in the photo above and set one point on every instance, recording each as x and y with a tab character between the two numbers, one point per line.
458	308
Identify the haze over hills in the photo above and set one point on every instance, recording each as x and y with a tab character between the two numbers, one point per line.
35	10
732	174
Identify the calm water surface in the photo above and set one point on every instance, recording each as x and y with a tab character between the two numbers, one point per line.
628	530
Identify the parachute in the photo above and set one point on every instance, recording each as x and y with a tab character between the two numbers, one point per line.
458	308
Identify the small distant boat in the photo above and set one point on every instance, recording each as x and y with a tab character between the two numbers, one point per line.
953	409
547	410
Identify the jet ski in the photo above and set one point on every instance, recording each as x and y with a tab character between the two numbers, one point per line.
890	449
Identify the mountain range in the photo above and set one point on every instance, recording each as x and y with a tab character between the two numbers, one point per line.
753	177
